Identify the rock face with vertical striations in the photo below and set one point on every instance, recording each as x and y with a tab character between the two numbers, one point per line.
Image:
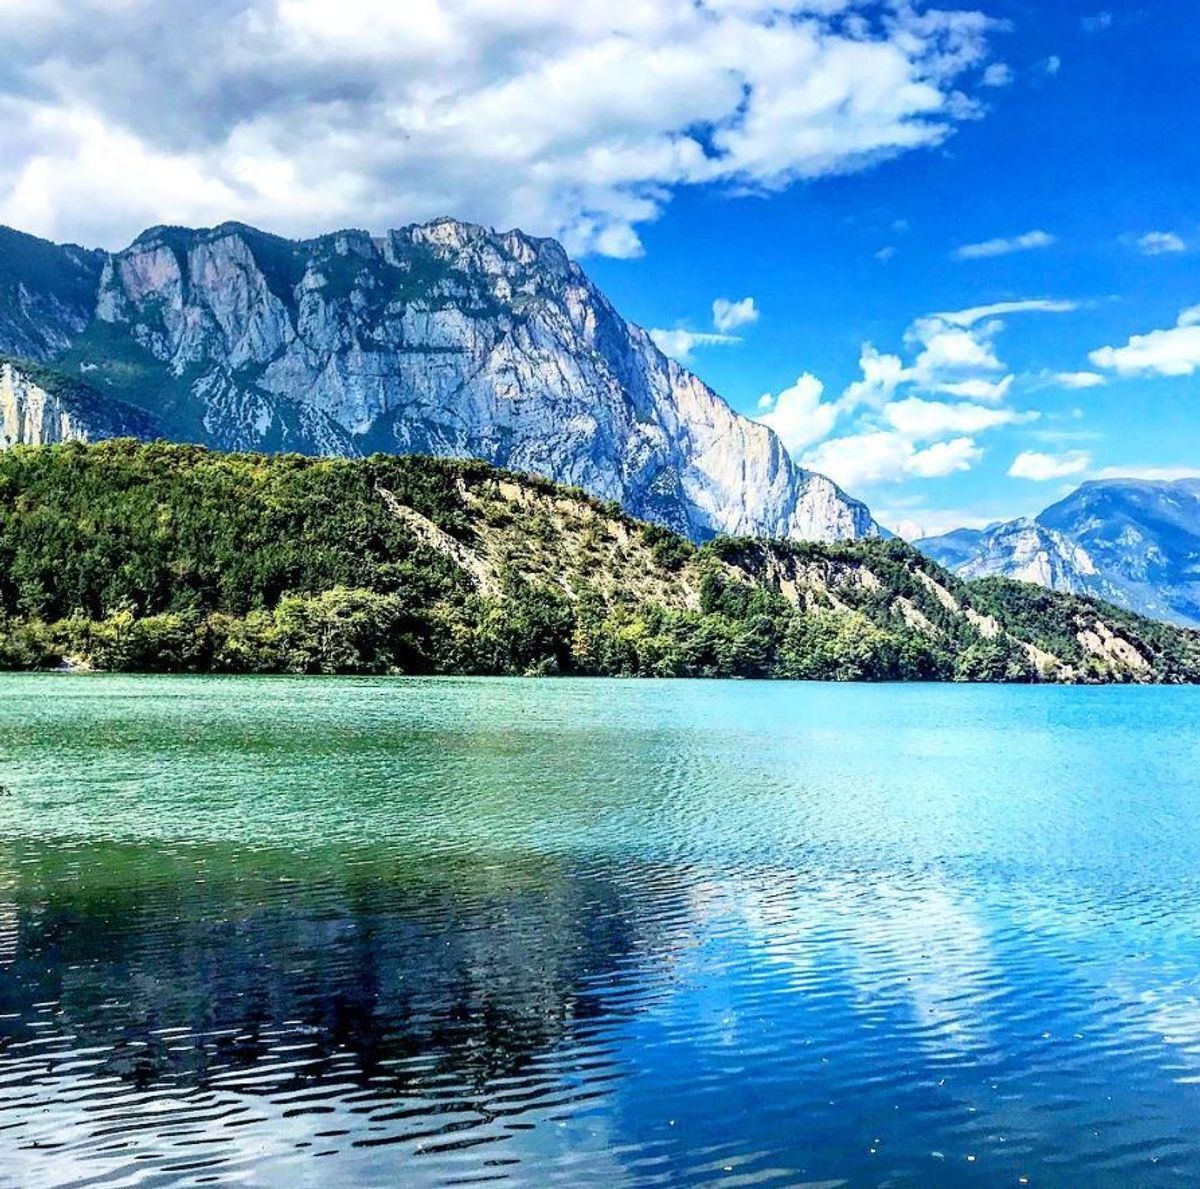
40	407
445	339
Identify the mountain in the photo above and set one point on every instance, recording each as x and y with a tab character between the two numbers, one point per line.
168	557
443	338
47	294
39	407
1135	543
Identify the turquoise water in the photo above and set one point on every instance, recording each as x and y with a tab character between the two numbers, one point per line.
324	932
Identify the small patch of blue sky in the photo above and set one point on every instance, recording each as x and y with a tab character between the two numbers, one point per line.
1086	159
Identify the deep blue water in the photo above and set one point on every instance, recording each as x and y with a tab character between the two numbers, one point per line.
308	932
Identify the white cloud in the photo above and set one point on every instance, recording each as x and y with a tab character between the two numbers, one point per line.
950	350
679	344
1005	247
945	458
576	118
986	390
1079	380
921	420
1001	309
896	433
882	375
766	401
1052	65
1161	243
1174	352
1151	472
798	414
957	350
882	456
886	253
958	355
1098	23
1031	464
998	74
729	315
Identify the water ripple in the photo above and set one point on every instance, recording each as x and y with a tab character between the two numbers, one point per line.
596	933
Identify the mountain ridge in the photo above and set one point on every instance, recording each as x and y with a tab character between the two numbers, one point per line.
443	338
1133	542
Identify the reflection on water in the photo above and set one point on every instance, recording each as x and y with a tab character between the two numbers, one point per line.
379	933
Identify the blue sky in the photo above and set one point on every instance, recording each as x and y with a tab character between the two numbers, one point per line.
979	198
1090	143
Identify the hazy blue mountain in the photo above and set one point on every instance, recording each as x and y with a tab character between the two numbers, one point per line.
443	338
1133	542
955	548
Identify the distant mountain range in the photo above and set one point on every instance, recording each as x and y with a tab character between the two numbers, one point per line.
1134	543
443	338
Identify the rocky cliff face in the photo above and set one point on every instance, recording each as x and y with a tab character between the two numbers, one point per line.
444	339
1131	542
1027	552
38	408
47	294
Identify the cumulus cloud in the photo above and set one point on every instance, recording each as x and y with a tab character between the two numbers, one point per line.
998	74
952	351
921	420
1079	380
1031	464
730	315
1005	247
957	353
577	118
798	414
1173	352
897	432
1161	243
881	376
859	460
679	344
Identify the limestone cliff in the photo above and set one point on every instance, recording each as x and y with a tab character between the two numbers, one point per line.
38	409
443	338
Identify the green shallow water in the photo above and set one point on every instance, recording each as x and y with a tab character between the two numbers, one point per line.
449	931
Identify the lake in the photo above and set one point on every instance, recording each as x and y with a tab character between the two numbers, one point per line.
432	932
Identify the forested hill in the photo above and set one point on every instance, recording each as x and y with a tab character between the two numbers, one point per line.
164	557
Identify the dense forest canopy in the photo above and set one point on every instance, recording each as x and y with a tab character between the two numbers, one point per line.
174	558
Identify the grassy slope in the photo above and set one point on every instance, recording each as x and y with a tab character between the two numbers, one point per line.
167	556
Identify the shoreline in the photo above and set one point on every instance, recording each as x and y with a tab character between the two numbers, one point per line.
82	673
